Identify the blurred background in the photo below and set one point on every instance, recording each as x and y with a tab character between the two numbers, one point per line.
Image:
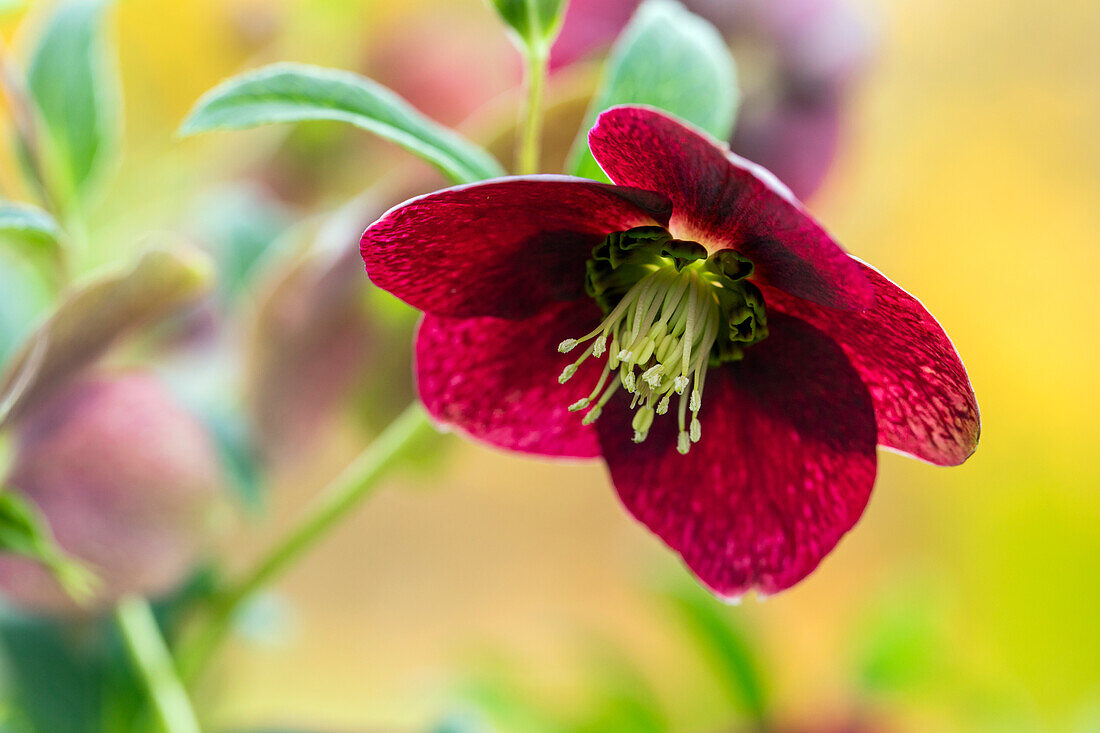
483	586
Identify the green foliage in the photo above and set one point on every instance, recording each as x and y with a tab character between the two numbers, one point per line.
28	225
241	228
24	531
296	92
73	676
669	59
75	87
900	649
728	649
536	22
35	238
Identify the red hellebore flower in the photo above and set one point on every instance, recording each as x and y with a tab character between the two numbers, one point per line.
737	368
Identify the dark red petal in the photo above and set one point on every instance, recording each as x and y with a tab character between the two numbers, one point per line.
723	200
784	468
924	403
497	379
505	248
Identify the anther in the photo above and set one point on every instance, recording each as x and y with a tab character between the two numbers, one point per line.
628	381
683	443
580	404
592	415
696	430
567	373
568	345
696	401
652	376
680	384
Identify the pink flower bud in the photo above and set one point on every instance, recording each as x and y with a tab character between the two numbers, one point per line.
128	482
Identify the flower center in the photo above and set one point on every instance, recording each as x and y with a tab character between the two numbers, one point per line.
671	312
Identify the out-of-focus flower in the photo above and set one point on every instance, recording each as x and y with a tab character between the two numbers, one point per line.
311	341
797	61
699	269
128	481
315	341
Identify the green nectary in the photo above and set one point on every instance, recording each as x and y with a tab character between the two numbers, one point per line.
672	311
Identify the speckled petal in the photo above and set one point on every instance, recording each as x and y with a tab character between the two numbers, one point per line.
723	200
504	248
784	467
924	403
497	379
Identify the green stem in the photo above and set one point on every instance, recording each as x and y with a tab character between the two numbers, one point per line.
155	666
334	503
537	57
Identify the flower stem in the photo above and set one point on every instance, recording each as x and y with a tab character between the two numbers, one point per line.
537	57
334	503
155	666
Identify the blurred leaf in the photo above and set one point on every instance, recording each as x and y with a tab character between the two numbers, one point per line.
240	227
35	236
24	296
497	694
669	59
75	87
537	22
28	225
728	649
71	675
94	316
24	531
899	649
53	677
620	699
297	92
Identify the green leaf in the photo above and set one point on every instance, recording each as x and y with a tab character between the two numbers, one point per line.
728	649
24	297
74	677
536	22
296	92
75	86
28	225
24	531
242	228
669	59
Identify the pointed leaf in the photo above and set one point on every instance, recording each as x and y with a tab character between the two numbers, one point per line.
28	225
34	234
536	22
75	86
24	531
670	59
296	92
94	316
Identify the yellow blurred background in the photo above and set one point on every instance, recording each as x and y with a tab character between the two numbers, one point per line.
970	174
